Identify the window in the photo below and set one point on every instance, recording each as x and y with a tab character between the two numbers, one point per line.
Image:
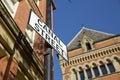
75	73
111	67
89	74
88	46
86	43
82	75
30	33
117	59
11	5
95	69
104	71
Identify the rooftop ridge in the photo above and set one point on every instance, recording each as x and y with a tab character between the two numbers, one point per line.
76	36
85	28
98	31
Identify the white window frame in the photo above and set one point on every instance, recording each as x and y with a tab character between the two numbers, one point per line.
11	5
30	35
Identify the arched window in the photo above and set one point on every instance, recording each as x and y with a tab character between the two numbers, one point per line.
117	59
103	69
75	73
82	76
89	74
95	69
110	66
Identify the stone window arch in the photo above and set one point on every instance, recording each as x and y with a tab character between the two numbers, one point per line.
73	70
81	72
88	71
103	68
95	69
110	66
87	43
73	74
117	59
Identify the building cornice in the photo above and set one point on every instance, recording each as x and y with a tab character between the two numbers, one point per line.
94	54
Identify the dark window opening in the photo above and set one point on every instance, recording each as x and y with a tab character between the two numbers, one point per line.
82	75
89	73
88	46
111	67
95	69
104	71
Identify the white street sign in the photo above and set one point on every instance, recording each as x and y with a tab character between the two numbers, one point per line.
43	30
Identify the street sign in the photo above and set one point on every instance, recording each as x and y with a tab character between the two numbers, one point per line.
43	30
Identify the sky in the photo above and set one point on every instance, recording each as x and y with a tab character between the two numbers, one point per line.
71	15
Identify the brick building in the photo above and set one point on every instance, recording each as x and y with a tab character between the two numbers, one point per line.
21	48
93	55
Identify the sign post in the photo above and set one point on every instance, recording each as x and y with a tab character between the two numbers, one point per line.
48	58
52	40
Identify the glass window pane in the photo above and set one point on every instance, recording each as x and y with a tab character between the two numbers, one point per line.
96	71
104	71
82	75
89	74
111	67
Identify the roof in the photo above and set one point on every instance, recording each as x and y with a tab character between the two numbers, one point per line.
94	34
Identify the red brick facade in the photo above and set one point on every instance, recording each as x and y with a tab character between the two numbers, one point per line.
98	61
18	60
